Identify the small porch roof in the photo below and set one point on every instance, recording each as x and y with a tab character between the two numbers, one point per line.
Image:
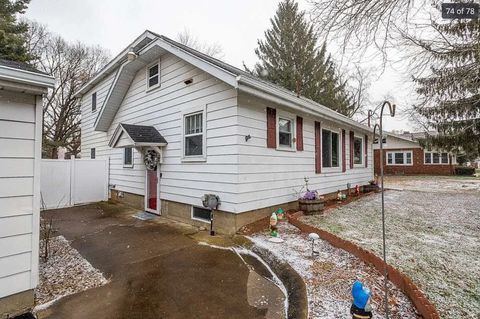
129	135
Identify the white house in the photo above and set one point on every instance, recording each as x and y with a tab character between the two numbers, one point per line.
216	130
21	92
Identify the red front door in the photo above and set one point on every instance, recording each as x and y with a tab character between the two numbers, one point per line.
152	190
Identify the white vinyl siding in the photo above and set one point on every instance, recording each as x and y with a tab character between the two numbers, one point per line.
182	181
244	174
268	177
19	219
400	158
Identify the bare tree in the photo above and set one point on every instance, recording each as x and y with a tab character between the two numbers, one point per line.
187	38
363	25
72	64
359	81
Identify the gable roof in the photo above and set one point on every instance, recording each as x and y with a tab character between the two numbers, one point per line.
138	135
239	79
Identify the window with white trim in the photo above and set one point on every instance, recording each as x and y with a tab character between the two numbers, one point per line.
358	150
436	158
285	132
153	76
330	149
399	158
128	157
193	135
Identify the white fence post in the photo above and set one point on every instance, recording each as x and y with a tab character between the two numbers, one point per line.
72	180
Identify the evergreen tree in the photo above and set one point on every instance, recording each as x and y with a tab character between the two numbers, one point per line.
12	32
289	56
451	93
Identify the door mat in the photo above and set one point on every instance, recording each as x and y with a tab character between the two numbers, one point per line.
145	216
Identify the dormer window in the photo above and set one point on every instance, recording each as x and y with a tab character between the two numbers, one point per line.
153	76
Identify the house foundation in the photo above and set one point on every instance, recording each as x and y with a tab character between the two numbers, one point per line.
17	304
224	222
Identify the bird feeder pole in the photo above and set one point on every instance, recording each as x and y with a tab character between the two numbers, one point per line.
379	125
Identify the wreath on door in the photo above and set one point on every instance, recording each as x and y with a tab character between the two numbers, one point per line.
151	160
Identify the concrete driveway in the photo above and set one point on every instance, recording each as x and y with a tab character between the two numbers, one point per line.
156	270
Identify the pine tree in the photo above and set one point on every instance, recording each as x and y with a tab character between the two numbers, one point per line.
289	56
451	93
12	32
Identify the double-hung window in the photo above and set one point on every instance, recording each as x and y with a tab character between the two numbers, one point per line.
193	135
358	150
153	76
436	158
330	149
285	133
399	158
128	157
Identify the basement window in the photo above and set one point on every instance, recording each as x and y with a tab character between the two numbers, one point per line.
153	76
201	214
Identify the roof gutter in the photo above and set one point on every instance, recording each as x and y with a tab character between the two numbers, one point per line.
273	94
26	77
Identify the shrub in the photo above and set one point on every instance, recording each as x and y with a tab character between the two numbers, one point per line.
464	171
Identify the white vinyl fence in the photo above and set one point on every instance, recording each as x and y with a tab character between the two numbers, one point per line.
65	183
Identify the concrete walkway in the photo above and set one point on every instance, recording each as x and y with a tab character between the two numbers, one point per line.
156	270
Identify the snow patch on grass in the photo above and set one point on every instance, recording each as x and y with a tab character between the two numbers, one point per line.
433	237
330	275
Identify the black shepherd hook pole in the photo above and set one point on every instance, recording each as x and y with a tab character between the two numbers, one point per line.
379	125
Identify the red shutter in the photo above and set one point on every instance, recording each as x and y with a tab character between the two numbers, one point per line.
271	128
366	150
352	138
318	148
299	133
344	156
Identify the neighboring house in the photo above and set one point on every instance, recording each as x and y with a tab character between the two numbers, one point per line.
403	154
21	92
215	130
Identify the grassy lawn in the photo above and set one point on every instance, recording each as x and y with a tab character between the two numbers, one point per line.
433	236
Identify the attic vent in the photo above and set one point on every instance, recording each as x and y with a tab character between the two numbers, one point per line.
189	81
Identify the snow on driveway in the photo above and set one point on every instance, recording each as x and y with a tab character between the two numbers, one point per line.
433	236
330	275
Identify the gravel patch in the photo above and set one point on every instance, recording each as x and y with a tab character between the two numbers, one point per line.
64	273
433	237
330	275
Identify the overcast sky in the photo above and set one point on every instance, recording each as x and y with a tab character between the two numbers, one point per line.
235	25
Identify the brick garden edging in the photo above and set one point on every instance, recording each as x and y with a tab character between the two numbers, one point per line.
421	303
